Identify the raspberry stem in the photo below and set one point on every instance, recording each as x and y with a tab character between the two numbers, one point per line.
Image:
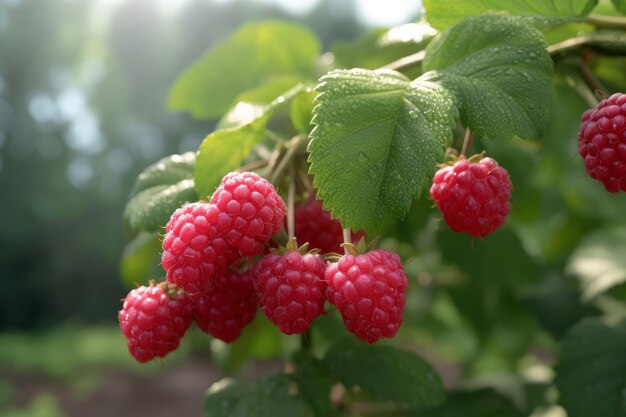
347	238
253	165
293	146
305	341
467	142
274	136
606	22
406	62
591	80
579	85
290	203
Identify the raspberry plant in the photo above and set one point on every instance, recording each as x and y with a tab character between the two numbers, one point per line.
337	152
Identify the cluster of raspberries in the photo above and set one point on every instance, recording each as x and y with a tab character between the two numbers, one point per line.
203	249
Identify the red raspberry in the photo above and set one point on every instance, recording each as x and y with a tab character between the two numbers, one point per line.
473	197
154	319
314	225
228	307
602	142
290	289
368	290
194	251
251	211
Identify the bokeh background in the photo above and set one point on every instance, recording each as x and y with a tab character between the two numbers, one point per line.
83	91
83	86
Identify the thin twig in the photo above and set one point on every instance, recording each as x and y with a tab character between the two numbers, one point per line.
606	22
254	165
347	238
582	89
467	141
567	44
590	79
274	136
293	146
406	62
304	177
290	203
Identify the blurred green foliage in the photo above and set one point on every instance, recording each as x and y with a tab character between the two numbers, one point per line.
83	89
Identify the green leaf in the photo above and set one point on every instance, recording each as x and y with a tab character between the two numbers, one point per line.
301	110
380	47
443	13
252	55
168	170
158	191
140	260
385	373
270	89
620	5
591	374
222	151
150	209
556	304
484	402
500	73
314	384
599	261
485	260
275	396
376	143
259	340
243	113
241	129
419	33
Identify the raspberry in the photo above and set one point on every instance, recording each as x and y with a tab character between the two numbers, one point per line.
314	225
473	196
251	211
194	251
602	142
228	306
154	319
368	290
290	289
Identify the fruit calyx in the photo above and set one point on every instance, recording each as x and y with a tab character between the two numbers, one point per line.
292	245
452	159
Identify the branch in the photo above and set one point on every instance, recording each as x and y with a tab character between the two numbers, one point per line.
606	22
406	62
